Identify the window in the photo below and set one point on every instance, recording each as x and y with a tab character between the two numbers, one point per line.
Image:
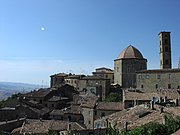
142	86
167	62
166	49
158	76
169	76
89	122
95	112
52	105
156	86
40	101
166	41
69	118
169	86
178	87
102	114
147	76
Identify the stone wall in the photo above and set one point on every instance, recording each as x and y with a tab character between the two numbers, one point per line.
152	81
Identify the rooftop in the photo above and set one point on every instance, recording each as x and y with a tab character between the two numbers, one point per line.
70	110
57	98
138	116
89	102
93	78
113	106
159	71
39	93
59	75
130	52
43	126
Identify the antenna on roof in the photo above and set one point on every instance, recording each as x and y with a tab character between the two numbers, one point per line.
42	83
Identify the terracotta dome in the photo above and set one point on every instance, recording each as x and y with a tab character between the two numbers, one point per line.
130	52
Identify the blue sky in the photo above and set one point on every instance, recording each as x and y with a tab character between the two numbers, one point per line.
80	35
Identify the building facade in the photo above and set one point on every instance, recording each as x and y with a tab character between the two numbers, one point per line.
153	80
128	62
73	80
94	86
57	80
105	73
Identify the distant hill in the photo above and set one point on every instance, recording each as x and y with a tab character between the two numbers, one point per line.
9	88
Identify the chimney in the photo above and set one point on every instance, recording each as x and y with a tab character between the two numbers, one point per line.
152	105
165	99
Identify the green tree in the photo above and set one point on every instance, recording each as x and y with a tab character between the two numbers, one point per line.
113	97
52	132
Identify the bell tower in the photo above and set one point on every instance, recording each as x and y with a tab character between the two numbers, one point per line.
165	50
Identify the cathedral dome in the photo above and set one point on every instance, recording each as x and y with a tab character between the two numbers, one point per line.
130	52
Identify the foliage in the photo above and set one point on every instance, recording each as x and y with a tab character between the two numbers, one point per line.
52	132
172	124
112	97
113	130
150	129
11	101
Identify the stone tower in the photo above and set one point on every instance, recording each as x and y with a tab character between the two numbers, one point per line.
165	50
128	62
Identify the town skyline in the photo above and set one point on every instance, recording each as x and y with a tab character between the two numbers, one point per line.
38	39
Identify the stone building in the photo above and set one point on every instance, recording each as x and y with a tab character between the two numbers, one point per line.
154	80
57	80
94	86
104	73
165	50
163	78
128	62
92	109
88	106
71	113
73	80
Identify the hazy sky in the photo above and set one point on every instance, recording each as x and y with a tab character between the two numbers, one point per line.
39	38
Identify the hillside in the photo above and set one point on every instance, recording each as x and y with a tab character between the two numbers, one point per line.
9	88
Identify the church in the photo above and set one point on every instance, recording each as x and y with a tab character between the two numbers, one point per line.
130	69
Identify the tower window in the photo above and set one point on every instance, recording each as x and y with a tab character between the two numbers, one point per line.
142	86
167	62
169	86
166	41
166	49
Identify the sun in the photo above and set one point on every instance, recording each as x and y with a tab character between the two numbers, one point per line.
42	28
